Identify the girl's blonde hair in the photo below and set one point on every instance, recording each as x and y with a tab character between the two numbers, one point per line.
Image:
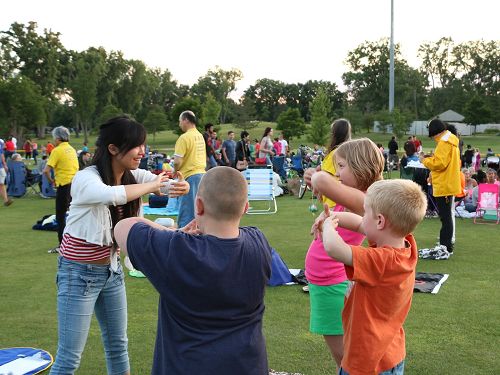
364	159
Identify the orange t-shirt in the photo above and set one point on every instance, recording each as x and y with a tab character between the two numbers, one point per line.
462	183
49	148
377	306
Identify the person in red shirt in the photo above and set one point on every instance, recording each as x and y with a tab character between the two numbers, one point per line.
9	148
383	274
49	148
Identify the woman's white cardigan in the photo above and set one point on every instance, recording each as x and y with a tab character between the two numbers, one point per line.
89	216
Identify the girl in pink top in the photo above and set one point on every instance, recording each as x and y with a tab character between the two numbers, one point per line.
359	164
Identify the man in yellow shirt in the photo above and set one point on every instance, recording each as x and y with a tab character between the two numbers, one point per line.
63	165
190	160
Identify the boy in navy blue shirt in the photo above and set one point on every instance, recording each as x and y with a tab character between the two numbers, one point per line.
211	277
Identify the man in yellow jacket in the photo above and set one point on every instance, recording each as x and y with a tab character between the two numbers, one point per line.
444	165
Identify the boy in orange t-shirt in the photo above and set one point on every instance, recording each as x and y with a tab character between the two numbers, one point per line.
383	275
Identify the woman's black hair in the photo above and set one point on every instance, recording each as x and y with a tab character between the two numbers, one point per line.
267	131
341	132
244	134
436	126
125	133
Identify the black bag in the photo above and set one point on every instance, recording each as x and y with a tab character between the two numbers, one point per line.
156	201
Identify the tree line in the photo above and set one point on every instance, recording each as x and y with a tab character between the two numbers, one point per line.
43	84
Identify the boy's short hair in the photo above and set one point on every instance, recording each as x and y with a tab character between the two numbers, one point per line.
364	159
402	202
224	192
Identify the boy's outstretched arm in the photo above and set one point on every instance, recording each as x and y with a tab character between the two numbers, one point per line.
334	244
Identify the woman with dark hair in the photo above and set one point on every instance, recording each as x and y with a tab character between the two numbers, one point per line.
242	149
90	277
266	145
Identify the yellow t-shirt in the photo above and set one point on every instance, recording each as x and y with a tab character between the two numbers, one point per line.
64	161
190	146
328	165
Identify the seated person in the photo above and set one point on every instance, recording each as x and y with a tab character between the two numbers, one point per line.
471	199
410	154
491	177
383	273
84	159
211	276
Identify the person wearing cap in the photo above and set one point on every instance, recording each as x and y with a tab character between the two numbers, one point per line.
61	167
444	165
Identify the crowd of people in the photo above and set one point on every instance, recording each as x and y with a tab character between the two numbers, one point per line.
211	273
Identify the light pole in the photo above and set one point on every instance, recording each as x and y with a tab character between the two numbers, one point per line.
391	62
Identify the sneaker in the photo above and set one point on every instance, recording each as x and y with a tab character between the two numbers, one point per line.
54	250
8	203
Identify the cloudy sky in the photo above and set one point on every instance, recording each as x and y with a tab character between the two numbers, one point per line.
287	40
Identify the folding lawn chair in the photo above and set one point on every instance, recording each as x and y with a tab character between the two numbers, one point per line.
260	188
279	166
16	178
487	205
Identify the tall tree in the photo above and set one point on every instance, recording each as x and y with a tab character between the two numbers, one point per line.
134	86
89	67
156	120
210	110
291	123
268	98
320	118
220	83
39	57
367	80
21	105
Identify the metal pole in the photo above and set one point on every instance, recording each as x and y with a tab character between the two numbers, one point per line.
391	64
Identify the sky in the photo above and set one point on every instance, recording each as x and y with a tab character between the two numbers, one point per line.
287	40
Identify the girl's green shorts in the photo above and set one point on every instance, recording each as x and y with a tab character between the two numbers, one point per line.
327	303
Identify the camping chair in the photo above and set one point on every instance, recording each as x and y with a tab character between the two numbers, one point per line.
279	166
407	173
487	204
260	188
33	181
16	178
48	190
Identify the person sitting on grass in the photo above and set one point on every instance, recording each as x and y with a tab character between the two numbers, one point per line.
211	276
383	274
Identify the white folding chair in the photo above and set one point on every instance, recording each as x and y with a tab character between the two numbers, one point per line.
260	188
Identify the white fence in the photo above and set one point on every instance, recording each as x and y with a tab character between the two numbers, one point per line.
420	128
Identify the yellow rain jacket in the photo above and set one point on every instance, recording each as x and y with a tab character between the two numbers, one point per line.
445	166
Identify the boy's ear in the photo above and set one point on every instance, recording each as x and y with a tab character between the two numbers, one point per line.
246	208
199	206
381	223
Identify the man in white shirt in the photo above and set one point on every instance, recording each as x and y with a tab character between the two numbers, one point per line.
284	145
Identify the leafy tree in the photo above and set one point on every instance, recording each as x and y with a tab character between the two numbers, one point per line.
21	105
210	110
220	83
476	111
108	112
134	86
357	119
320	118
398	120
268	98
291	123
88	69
367	80
185	104
245	115
156	120
39	57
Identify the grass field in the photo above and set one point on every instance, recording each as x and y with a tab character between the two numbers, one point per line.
453	332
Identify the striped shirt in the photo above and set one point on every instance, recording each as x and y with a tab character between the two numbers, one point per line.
76	249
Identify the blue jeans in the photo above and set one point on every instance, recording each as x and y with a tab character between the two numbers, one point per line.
83	289
186	202
399	369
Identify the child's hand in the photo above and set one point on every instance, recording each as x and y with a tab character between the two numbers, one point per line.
317	227
191	228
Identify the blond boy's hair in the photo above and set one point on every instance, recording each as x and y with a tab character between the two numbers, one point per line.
364	160
224	193
402	202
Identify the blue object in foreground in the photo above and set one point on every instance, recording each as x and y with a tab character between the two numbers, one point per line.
25	361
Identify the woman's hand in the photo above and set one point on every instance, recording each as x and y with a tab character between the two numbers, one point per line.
158	183
308	175
179	187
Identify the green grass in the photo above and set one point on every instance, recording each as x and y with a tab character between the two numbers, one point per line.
164	141
453	332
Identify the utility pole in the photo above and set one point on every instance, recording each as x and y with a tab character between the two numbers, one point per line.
391	63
